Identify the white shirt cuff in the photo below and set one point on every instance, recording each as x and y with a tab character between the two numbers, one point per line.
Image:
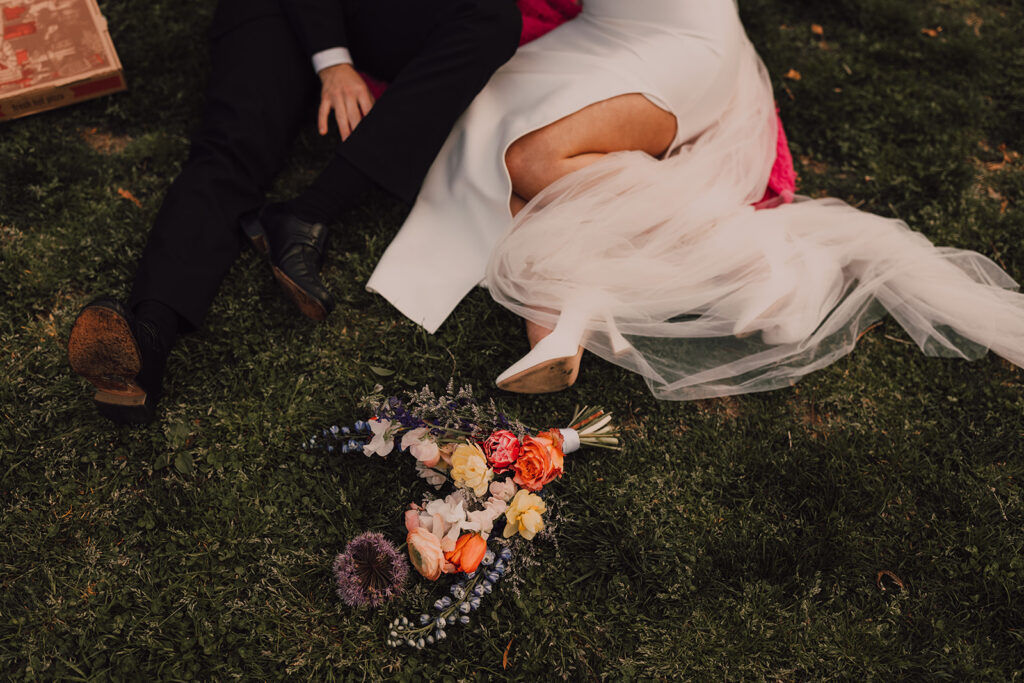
331	57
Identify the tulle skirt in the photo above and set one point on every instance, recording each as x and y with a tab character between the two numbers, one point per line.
686	284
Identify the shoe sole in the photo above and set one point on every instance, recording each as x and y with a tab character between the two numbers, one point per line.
103	350
547	377
310	306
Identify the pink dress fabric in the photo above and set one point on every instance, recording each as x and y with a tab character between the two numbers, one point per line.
782	181
540	16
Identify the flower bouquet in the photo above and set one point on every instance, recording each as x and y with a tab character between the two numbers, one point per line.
489	475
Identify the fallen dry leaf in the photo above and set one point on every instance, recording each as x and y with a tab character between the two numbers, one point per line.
813	166
886	574
1004	203
1009	157
932	32
793	75
975	22
104	143
129	196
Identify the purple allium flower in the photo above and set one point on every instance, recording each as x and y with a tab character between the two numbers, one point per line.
370	572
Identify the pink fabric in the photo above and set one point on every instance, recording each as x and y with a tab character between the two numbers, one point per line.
376	87
540	16
782	181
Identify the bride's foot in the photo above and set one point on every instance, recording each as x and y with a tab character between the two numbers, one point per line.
536	332
552	364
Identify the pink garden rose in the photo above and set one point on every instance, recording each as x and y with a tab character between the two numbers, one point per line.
503	490
412	519
425	553
502	449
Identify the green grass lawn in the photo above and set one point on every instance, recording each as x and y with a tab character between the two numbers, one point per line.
731	539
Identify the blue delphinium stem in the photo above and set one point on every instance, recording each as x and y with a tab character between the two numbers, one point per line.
465	595
343	439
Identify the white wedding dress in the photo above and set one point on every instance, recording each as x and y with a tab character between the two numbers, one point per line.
678	278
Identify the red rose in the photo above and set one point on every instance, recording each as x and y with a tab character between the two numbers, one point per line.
502	449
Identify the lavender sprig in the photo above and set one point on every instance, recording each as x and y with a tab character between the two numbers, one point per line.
454	410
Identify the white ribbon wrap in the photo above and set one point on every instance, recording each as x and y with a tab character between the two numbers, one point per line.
570	440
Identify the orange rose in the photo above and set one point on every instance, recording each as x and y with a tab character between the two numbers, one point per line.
540	461
469	551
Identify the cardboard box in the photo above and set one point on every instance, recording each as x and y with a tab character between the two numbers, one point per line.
54	53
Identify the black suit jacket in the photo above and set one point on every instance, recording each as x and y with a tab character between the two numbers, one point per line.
319	24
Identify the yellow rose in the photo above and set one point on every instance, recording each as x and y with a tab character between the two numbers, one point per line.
524	515
470	470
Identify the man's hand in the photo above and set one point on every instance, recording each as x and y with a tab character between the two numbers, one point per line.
344	91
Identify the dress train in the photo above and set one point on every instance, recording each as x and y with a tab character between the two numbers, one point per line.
683	282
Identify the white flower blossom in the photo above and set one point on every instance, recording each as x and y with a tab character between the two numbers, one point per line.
421	446
496	506
445	518
433	477
483	520
383	440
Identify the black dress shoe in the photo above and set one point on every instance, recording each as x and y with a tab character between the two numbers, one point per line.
122	357
296	252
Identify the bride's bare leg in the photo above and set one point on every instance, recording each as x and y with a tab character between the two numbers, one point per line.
535	332
516	204
626	122
534	161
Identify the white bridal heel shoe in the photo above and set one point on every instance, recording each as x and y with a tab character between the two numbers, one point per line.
553	364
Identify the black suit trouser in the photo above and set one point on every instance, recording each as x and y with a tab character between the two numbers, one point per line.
437	55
